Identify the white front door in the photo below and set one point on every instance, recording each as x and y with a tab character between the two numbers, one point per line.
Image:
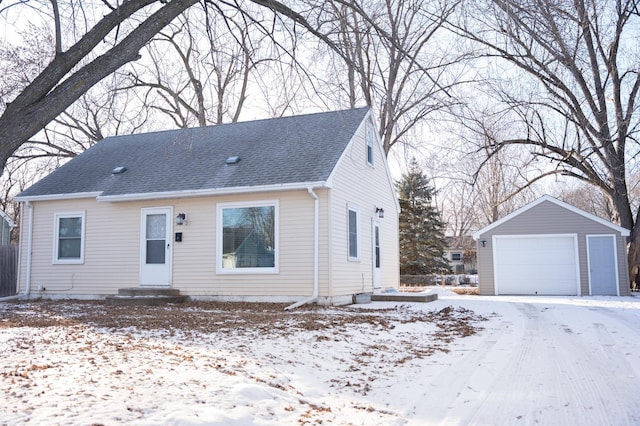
155	246
377	282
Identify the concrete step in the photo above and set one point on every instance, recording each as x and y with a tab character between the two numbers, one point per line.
148	291
404	297
145	296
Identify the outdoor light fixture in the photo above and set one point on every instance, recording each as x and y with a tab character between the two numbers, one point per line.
483	242
180	218
380	212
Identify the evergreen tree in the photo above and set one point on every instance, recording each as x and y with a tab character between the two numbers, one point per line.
422	241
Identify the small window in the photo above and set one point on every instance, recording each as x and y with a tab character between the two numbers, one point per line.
248	238
69	238
456	256
354	249
370	153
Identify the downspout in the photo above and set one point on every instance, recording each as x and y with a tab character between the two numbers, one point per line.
27	290
316	251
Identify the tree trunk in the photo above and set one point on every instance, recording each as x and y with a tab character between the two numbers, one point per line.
52	91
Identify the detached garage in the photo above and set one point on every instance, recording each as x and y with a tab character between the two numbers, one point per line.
549	247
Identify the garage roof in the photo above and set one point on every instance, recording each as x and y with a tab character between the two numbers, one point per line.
623	231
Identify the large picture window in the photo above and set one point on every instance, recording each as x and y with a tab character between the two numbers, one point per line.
354	239
69	238
248	237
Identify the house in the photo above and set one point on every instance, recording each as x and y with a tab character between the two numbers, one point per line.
292	209
6	224
460	253
549	247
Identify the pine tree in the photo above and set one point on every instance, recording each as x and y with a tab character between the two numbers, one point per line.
422	241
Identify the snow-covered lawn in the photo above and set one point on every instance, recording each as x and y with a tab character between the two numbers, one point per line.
459	360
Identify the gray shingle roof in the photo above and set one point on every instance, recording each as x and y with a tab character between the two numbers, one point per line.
288	150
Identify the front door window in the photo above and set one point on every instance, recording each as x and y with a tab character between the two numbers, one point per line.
155	234
155	246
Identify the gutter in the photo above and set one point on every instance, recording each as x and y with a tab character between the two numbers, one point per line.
316	252
296	186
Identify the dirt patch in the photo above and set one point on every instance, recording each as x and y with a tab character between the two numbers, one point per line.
466	291
207	351
210	317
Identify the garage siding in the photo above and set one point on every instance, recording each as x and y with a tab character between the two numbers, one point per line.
548	218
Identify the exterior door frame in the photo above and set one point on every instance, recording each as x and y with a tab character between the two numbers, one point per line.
156	276
376	253
591	262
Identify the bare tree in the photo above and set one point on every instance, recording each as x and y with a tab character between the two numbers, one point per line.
66	78
114	39
584	197
580	111
393	57
200	75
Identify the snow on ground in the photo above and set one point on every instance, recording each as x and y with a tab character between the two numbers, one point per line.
517	360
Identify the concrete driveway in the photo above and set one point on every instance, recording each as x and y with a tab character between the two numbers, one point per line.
541	360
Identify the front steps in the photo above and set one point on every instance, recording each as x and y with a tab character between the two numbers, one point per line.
404	297
145	296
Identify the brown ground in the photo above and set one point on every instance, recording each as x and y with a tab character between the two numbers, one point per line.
238	317
356	347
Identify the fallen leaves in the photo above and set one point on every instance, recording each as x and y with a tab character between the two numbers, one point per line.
122	349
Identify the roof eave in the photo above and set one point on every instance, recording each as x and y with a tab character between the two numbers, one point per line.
54	197
212	192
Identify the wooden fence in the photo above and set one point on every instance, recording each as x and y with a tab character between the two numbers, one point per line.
8	270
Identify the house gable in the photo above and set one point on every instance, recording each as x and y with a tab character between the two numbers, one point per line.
358	147
531	211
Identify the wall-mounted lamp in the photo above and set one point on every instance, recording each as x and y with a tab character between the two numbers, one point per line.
483	242
181	218
380	212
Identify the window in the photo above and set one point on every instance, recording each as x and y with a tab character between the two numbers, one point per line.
456	256
68	238
354	249
370	154
248	238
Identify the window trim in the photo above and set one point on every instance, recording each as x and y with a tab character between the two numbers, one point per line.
220	234
459	256
56	237
357	212
369	136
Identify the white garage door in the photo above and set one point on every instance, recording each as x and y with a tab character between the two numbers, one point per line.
545	265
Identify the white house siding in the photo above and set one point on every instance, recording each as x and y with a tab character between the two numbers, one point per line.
194	271
112	241
356	184
111	253
549	218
